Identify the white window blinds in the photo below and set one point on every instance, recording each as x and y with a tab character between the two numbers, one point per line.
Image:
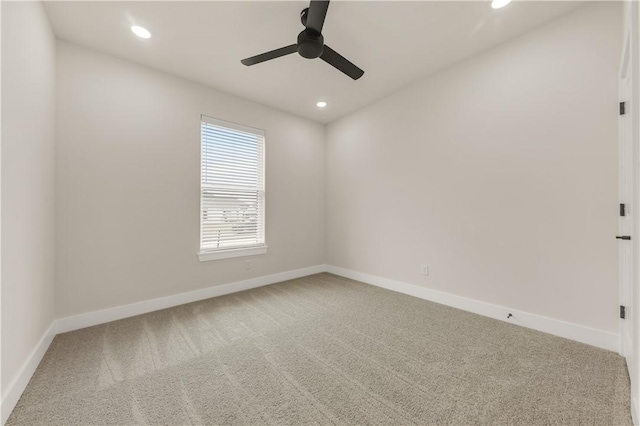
232	187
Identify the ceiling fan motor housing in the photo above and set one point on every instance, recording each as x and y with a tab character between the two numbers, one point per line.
310	44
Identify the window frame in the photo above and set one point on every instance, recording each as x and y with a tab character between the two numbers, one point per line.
208	254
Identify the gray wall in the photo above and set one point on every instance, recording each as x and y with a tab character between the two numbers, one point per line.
500	173
28	115
128	182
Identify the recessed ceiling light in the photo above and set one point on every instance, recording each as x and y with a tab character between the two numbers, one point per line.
141	32
497	4
321	104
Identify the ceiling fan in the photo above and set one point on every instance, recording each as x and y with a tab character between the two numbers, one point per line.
310	43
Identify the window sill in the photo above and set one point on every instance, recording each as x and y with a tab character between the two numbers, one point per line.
205	256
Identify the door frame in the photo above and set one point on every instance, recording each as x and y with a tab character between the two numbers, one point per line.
629	289
627	155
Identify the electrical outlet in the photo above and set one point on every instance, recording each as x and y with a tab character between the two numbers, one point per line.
424	270
247	264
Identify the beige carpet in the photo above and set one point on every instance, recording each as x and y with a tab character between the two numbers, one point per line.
321	350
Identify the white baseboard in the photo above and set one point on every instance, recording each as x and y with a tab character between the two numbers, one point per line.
599	338
119	312
62	325
21	379
590	336
634	411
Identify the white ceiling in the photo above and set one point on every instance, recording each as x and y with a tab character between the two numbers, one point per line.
395	43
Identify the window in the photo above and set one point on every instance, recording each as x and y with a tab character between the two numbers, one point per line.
231	190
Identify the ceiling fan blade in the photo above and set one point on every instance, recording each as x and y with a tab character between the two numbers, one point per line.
317	13
335	59
270	55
